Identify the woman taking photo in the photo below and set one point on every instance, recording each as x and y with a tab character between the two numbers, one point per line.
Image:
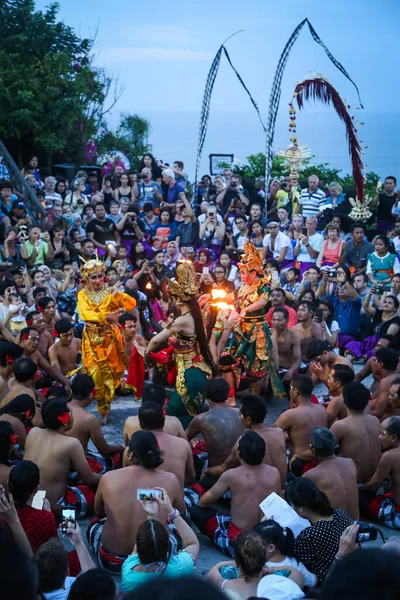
60	248
316	546
151	555
187	335
77	199
330	327
211	232
332	250
384	322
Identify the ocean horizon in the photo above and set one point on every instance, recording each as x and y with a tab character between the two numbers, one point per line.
174	136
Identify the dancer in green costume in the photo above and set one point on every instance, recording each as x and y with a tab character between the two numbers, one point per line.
192	354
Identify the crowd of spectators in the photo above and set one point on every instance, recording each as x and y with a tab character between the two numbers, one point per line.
334	301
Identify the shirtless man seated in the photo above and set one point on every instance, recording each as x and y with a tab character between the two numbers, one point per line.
9	353
323	360
339	376
287	344
394	398
307	329
30	343
252	415
249	484
34	319
298	422
384	366
358	434
386	341
23	382
66	354
154	393
385	508
334	475
220	427
177	453
86	427
113	537
56	454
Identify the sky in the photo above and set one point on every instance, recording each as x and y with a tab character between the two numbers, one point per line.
161	54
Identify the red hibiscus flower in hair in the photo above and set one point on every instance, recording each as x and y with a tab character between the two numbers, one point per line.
64	418
55	333
9	359
40	309
28	414
13	439
25	337
94	391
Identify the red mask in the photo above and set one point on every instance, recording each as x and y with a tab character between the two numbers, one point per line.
64	418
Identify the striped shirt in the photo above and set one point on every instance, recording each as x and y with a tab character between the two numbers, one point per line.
311	202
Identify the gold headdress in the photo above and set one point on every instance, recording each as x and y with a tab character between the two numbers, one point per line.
184	285
252	259
91	266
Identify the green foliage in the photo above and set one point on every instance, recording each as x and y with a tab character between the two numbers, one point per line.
255	167
131	138
51	95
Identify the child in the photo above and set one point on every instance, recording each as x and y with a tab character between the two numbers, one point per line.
18	311
292	285
122	255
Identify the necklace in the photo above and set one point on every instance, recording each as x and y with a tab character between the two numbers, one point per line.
97	297
186	313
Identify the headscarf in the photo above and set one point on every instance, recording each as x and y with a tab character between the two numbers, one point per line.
198	265
172	260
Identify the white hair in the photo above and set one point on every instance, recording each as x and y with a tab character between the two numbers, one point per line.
168	173
49	179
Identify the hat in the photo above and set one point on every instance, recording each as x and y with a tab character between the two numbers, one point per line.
276	587
18	204
273	223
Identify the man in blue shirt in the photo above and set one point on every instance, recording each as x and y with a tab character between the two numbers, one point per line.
147	190
347	311
174	188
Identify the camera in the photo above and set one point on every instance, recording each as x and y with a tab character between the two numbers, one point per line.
233	184
331	273
139	176
366	533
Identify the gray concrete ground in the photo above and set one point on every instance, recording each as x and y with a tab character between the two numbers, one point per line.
123	407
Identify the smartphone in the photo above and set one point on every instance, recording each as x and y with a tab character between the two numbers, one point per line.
38	499
148	494
319	314
68	516
304	230
206	270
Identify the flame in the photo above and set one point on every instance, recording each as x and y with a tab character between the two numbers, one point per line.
223	306
215	294
148	286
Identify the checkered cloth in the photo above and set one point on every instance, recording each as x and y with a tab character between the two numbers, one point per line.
112	563
389	514
98	464
222	532
81	498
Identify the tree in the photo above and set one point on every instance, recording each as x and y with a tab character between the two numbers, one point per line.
51	96
130	138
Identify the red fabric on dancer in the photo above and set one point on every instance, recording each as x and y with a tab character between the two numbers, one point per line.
164	357
136	373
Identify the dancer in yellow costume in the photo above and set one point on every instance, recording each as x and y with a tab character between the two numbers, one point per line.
102	348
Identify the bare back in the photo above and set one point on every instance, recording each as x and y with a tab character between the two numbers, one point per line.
249	486
17	389
299	422
81	426
358	439
177	457
220	428
172	426
116	499
275	450
50	451
337	477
